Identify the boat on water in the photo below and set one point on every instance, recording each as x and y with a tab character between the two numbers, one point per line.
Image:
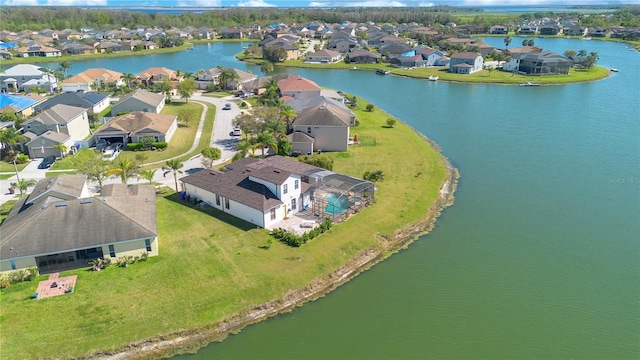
382	72
529	83
613	70
433	78
585	38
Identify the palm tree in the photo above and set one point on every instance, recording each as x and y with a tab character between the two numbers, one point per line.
64	67
507	41
243	148
173	166
148	174
266	139
227	76
288	114
62	147
9	137
276	127
128	77
266	67
23	185
125	168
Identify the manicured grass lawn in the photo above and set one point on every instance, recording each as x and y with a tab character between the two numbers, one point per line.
8	167
70	161
5	208
211	265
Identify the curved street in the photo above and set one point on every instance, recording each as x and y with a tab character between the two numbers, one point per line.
221	137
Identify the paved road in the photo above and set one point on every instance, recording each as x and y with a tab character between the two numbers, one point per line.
221	138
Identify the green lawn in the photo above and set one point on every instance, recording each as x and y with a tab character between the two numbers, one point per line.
5	208
211	265
8	167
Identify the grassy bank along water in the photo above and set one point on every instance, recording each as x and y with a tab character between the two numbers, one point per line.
214	273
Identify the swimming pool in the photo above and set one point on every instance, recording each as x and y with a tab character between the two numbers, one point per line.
336	204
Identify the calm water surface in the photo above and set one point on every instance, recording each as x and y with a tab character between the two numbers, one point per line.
538	258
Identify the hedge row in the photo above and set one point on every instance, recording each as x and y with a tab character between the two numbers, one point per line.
140	146
294	240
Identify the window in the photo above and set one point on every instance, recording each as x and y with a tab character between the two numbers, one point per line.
217	199
112	251
147	244
293	204
13	262
285	188
309	130
273	214
226	203
296	184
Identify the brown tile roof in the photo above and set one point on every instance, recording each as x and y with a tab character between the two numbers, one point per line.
154	72
137	120
90	75
297	83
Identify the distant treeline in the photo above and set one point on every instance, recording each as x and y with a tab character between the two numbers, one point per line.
59	18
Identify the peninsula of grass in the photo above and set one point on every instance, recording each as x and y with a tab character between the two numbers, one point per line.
214	269
480	77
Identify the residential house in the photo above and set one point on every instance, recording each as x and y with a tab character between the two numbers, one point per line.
291	50
92	80
134	126
14	79
324	56
363	57
498	29
21	105
298	87
244	81
528	30
231	33
157	75
575	30
550	30
139	100
78	49
542	63
58	124
207	78
327	123
394	49
94	102
465	62
392	39
38	50
60	227
599	32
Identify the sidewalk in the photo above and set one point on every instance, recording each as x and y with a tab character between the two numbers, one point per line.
221	138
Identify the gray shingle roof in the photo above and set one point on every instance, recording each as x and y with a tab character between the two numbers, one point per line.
325	113
84	100
58	114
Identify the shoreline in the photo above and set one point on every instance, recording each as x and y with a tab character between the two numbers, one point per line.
190	341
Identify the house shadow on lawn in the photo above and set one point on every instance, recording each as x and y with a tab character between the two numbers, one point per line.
217	214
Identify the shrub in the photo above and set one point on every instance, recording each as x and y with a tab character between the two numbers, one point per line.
391	122
135	146
22	158
160	144
294	240
373	176
319	161
370	107
17	276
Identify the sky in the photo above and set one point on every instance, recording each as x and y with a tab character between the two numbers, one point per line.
306	3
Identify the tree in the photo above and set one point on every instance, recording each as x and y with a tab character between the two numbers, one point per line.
125	168
227	76
23	185
284	147
10	137
148	174
370	107
186	115
246	122
507	41
391	122
288	114
373	176
571	54
490	70
265	139
186	88
243	148
165	86
277	127
141	158
274	53
9	116
266	67
209	155
173	167
128	77
591	60
271	95
252	50
63	148
64	67
94	166
582	54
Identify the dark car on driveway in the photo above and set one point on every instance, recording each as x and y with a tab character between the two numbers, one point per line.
47	162
227	106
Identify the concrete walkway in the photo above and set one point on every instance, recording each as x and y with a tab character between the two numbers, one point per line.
221	137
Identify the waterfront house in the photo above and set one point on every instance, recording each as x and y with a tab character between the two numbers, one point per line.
528	30
543	63
21	105
327	123
38	50
363	57
139	100
14	79
157	75
324	56
78	49
134	126
92	80
208	77
498	29
58	226
291	50
298	87
465	62
58	124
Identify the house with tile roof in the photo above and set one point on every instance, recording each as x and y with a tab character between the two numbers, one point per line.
298	87
134	126
60	227
38	50
92	80
158	74
139	100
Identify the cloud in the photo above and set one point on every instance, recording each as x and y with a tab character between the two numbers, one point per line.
199	3
478	3
21	3
367	3
76	3
426	4
255	3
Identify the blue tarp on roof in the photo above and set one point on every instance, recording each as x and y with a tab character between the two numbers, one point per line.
410	53
20	102
7	45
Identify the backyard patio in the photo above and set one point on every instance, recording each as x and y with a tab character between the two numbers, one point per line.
55	286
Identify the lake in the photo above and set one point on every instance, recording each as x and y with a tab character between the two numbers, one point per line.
539	256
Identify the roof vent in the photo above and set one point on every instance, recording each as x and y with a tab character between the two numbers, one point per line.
85	201
50	181
276	171
59	182
104	198
211	173
61	204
